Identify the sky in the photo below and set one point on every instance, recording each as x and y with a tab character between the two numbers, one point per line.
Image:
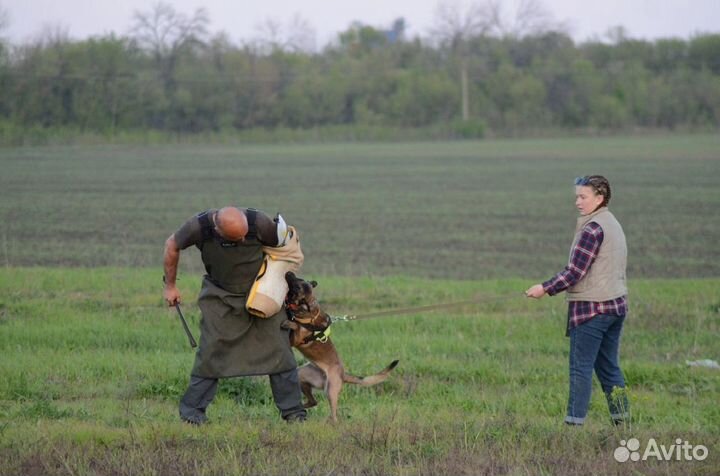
240	19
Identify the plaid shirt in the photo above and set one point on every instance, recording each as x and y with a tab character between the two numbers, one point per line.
582	257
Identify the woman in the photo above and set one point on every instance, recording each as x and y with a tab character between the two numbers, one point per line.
597	301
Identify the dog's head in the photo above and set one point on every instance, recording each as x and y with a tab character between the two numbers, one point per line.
301	302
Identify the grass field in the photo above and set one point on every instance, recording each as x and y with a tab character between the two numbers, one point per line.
93	365
467	210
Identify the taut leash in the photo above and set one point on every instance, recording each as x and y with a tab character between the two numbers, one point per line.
417	309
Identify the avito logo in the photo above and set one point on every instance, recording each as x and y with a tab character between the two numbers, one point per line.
680	451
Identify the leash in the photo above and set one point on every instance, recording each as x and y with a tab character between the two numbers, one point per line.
190	337
417	309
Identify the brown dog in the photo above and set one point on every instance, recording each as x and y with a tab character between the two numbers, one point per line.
309	325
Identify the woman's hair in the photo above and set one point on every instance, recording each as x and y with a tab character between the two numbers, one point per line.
599	184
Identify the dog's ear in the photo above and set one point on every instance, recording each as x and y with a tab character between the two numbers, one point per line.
290	275
313	284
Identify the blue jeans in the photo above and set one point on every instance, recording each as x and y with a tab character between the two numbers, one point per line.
595	344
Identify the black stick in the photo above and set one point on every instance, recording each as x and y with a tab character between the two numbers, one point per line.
193	344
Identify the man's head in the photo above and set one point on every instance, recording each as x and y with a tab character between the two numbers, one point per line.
231	224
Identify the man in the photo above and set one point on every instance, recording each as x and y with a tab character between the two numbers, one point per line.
232	342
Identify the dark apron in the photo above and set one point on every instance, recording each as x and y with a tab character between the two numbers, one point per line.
232	342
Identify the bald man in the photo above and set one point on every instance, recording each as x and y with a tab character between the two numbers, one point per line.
232	342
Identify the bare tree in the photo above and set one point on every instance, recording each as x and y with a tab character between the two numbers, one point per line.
4	23
269	36
301	34
617	34
296	35
4	18
163	30
455	25
532	18
489	17
164	33
53	36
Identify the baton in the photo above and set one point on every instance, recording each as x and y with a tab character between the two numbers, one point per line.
193	344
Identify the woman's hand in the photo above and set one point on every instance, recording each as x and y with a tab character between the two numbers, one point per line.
537	291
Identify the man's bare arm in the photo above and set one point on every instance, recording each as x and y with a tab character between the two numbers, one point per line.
170	265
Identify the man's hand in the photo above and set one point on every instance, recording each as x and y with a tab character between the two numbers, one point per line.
171	295
537	291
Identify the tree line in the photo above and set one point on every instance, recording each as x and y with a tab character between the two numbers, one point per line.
169	74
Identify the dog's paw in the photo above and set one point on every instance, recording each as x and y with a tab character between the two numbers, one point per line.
289	325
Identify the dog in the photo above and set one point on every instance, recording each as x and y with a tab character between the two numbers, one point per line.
309	328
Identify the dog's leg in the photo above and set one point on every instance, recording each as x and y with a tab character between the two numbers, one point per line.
309	397
333	386
287	324
310	377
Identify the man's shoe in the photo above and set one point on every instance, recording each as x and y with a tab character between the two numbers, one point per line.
296	418
193	422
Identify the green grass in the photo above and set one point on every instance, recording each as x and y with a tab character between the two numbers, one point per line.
93	366
467	210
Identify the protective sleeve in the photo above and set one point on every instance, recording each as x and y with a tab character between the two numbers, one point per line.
188	234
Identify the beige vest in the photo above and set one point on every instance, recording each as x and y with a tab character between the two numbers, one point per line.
606	279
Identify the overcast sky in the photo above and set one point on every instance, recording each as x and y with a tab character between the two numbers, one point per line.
647	19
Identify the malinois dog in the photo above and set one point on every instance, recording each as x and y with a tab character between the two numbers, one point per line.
309	324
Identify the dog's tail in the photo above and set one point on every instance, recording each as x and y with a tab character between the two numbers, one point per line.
371	379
